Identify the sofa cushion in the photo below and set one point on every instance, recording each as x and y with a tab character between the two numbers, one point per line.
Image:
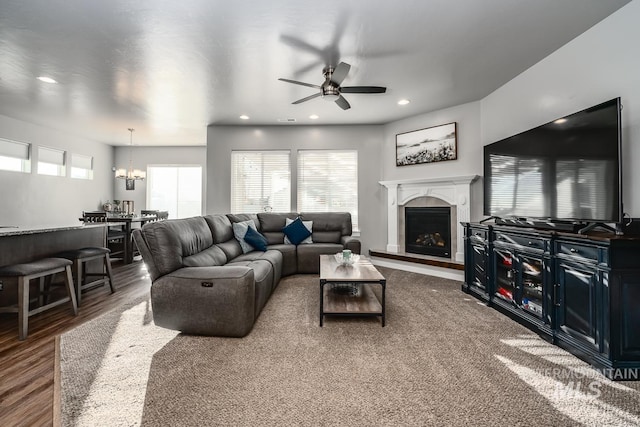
309	255
231	248
274	257
307	224
327	237
212	256
263	276
296	231
334	223
272	223
221	228
255	239
289	258
244	217
240	230
171	241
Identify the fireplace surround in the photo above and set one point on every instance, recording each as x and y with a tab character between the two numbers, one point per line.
451	191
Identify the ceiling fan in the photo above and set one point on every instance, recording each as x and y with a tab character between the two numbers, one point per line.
331	90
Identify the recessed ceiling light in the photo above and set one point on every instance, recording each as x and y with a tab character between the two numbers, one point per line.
403	102
314	117
560	121
244	117
46	79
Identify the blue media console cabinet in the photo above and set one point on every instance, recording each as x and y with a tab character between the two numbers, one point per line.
580	292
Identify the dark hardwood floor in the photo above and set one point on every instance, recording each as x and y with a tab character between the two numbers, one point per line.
27	368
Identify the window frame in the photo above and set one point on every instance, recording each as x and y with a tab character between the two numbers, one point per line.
76	169
10	154
351	207
235	202
51	168
149	193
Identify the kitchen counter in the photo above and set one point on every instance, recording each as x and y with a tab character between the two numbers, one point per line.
10	230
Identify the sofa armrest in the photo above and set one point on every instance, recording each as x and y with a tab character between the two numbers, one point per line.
216	301
351	243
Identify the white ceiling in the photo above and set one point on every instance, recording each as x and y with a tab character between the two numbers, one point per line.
168	68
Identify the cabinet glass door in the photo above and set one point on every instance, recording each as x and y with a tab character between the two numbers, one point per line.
505	275
531	298
479	262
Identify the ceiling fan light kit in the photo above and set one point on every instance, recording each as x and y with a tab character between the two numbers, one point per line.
331	90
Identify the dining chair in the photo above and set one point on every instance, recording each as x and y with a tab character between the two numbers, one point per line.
116	236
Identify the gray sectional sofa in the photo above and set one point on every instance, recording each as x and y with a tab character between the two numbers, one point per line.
202	281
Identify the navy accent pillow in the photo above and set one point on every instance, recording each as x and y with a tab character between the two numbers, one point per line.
296	232
255	239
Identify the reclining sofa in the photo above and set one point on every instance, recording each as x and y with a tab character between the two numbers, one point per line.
207	281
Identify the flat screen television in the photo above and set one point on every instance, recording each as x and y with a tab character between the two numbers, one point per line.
566	170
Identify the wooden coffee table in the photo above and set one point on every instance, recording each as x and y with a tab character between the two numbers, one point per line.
346	290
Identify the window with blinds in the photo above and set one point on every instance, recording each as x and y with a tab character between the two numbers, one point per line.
51	161
260	181
15	156
176	189
81	166
328	182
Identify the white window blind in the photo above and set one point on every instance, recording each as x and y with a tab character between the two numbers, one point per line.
14	156
328	182
81	166
51	161
176	189
260	181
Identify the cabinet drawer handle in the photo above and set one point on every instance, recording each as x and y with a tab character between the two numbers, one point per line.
573	250
530	243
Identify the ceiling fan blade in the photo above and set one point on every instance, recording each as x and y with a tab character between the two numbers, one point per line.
299	101
363	89
300	83
342	103
340	72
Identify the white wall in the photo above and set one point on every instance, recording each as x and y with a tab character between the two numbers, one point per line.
469	161
367	140
143	156
599	65
29	199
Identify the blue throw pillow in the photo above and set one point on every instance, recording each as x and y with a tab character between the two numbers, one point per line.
239	230
296	232
256	239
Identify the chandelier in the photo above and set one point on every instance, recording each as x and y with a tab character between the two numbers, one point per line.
130	175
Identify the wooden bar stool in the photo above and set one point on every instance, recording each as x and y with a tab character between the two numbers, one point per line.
39	269
79	258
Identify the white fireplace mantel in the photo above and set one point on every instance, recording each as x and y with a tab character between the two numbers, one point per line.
456	191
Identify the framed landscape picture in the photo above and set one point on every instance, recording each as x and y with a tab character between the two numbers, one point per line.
433	144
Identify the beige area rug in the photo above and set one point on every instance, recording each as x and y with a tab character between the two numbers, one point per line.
444	359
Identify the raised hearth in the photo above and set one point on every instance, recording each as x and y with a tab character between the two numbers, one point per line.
418	259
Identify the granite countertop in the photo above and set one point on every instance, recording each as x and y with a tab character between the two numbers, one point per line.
35	229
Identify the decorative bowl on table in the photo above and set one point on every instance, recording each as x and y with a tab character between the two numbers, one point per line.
346	261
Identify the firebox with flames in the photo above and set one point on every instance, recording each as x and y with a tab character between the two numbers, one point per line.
431	239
